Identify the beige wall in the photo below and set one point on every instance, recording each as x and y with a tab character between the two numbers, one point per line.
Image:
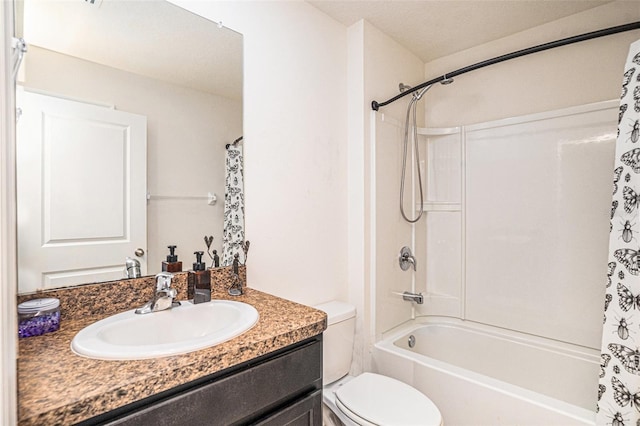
376	65
186	135
581	73
295	124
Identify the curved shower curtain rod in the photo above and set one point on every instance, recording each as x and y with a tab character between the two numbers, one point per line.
539	48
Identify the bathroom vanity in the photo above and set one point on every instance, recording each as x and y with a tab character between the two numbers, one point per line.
277	389
271	374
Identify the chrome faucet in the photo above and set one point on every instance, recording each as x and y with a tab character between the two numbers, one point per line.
132	268
413	297
164	295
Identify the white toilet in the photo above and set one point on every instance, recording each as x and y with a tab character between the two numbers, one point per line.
368	399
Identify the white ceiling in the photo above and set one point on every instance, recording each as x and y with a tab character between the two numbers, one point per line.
152	38
435	28
161	40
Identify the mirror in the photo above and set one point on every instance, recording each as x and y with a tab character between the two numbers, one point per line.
179	77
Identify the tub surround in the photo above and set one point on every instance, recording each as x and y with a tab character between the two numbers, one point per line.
55	386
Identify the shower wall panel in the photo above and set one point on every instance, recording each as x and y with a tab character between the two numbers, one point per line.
442	240
391	231
443	285
443	174
538	200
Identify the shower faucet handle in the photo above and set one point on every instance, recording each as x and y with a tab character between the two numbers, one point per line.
406	259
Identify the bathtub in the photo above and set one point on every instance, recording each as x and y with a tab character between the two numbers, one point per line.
482	375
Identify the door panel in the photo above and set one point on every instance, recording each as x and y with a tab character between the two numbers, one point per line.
76	192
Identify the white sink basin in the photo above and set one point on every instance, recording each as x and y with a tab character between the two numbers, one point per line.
183	329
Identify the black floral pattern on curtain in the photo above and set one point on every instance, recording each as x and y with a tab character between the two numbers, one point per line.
233	232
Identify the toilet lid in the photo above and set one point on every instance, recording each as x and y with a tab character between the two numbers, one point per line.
381	400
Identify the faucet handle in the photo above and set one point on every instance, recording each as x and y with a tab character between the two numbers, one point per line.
164	297
167	292
163	281
406	259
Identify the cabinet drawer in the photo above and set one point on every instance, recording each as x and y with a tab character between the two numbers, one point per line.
242	397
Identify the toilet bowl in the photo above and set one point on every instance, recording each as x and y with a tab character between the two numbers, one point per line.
367	399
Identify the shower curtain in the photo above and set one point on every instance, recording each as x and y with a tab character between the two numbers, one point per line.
233	232
619	386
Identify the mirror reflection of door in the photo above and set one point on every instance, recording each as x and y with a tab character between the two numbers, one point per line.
81	191
179	70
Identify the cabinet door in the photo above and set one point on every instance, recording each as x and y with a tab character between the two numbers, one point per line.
306	412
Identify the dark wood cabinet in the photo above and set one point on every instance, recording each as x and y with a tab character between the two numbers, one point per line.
283	388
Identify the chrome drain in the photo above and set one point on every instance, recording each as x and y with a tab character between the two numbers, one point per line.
412	341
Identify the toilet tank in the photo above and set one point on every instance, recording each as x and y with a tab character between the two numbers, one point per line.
337	340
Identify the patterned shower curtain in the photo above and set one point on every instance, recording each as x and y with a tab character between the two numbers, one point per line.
619	387
233	232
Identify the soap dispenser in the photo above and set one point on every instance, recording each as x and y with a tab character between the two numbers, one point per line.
172	264
199	281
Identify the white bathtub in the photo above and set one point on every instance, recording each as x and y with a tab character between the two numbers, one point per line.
481	375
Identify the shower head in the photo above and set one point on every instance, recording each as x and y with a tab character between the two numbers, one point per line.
403	87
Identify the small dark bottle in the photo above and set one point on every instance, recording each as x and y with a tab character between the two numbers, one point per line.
172	264
199	281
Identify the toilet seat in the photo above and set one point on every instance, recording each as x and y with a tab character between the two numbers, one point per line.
371	399
353	416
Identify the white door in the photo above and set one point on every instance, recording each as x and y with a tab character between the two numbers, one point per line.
81	191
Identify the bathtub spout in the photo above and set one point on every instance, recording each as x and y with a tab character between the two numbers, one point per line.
413	297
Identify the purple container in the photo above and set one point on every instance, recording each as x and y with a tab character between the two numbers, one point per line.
38	316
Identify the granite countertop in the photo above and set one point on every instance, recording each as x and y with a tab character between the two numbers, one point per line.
57	387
